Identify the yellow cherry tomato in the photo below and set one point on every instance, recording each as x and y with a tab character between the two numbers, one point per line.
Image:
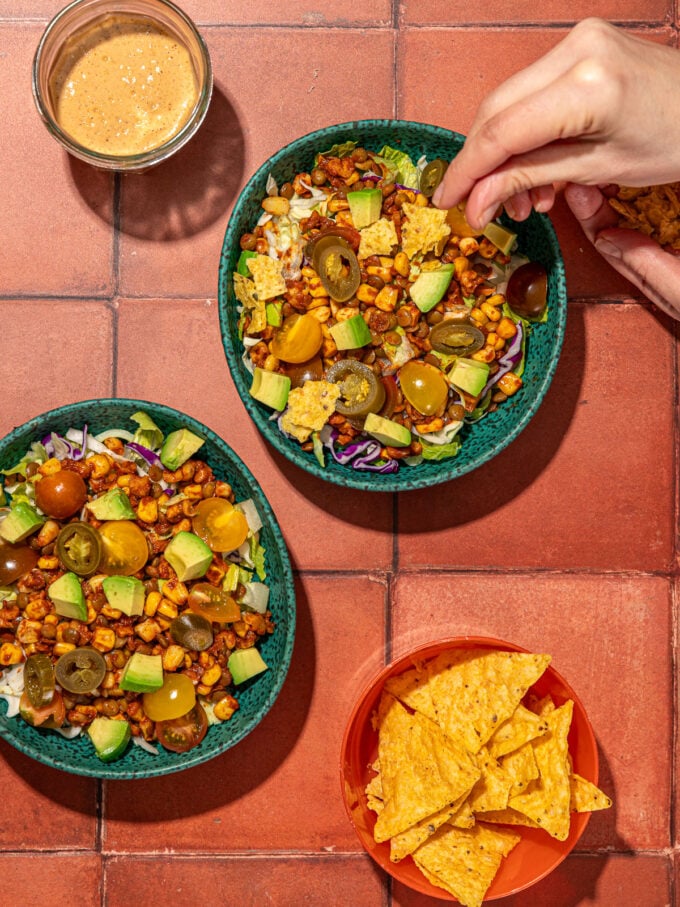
175	698
298	339
124	548
424	386
214	604
221	526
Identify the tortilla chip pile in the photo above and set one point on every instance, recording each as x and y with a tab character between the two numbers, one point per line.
463	749
652	210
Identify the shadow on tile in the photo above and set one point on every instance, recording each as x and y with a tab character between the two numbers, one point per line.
234	774
519	465
185	194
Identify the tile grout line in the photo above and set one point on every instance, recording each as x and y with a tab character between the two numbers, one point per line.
115	266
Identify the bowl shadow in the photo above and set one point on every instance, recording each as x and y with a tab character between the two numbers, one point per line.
179	197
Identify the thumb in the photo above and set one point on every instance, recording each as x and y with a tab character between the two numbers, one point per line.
644	263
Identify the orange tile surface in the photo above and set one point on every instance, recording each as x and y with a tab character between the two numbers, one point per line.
566	543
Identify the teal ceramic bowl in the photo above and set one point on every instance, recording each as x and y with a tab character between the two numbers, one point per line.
481	441
256	697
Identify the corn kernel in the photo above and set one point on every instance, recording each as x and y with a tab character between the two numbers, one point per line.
124	480
496	299
477	315
50	562
366	293
193	492
386	261
491	311
225	708
386	300
148	630
223	490
309	272
37	609
510	383
384	272
111	613
460	265
49	467
421	200
61	648
338	204
91	613
167	609
147	510
101	465
322	313
203	689
486	354
10	654
152	602
318	291
401	264
173	657
104	639
506	328
212	675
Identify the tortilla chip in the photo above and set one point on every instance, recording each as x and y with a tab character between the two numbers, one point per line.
422	770
464	817
651	210
493	788
521	768
309	408
585	796
244	290
546	800
405	843
412	689
475	690
465	862
540	707
424	230
374	787
378	239
509	817
521	727
268	276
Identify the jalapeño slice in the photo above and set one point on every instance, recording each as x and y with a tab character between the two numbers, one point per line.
39	680
79	548
361	391
431	177
456	339
81	670
338	269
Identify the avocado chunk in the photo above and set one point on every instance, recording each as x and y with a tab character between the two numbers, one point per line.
188	556
501	237
114	505
270	388
244	664
178	447
142	673
469	375
389	433
20	522
109	736
242	264
365	206
125	593
430	286
66	593
351	334
273	312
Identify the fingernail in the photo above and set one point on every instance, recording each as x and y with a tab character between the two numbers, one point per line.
510	210
487	216
438	192
605	247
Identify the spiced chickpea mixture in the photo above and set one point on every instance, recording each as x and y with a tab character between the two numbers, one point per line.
375	324
131	588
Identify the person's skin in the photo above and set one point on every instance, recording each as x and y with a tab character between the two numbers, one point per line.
601	108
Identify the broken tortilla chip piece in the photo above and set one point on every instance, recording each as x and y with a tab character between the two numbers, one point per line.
585	796
546	800
464	862
244	290
403	844
422	770
268	276
378	239
413	690
475	690
651	210
520	767
424	230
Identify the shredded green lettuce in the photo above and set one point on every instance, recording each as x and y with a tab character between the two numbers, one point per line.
317	447
257	557
440	451
341	150
405	171
148	434
35	454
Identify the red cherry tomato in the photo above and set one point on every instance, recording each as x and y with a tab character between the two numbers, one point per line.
15	560
61	494
51	715
182	734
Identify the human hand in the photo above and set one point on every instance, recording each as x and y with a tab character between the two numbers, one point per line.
591	111
637	257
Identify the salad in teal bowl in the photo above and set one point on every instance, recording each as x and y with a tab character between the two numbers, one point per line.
147	612
377	341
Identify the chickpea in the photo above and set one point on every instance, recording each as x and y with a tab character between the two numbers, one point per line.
248	242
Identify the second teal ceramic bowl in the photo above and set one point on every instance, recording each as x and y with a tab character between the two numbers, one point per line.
536	238
255	699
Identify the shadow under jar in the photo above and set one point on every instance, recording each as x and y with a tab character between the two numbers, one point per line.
122	85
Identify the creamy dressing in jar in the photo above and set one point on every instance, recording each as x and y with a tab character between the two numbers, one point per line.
123	85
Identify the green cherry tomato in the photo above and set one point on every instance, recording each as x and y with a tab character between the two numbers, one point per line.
193	631
79	548
424	386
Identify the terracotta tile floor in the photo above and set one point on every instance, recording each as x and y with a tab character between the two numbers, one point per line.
566	543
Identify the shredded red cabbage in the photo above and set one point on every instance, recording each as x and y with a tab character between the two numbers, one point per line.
150	456
508	361
80	454
360	455
57	446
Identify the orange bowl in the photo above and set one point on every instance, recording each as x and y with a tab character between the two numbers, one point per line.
537	854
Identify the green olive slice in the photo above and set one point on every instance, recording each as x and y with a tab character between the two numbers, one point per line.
338	270
81	670
361	392
193	631
456	339
431	177
79	548
39	679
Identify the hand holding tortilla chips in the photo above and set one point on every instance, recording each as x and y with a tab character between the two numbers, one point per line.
465	748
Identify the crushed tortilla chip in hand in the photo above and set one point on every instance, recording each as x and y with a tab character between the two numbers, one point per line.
652	210
464	747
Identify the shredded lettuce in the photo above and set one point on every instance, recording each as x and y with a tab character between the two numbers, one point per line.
148	434
406	172
35	454
317	446
257	557
341	150
440	451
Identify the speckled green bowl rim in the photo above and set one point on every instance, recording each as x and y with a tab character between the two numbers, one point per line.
77	756
408	478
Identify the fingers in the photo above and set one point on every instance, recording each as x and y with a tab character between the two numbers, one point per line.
638	258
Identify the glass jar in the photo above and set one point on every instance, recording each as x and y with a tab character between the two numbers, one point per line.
79	41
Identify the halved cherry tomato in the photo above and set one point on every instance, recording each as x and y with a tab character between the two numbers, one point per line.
424	386
527	291
51	715
124	548
298	339
79	548
175	698
304	371
193	631
221	526
15	560
182	734
213	603
61	494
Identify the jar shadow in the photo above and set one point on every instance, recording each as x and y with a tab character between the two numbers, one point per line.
179	197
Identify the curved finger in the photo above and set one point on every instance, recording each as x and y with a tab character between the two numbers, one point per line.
519	206
542	198
590	207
